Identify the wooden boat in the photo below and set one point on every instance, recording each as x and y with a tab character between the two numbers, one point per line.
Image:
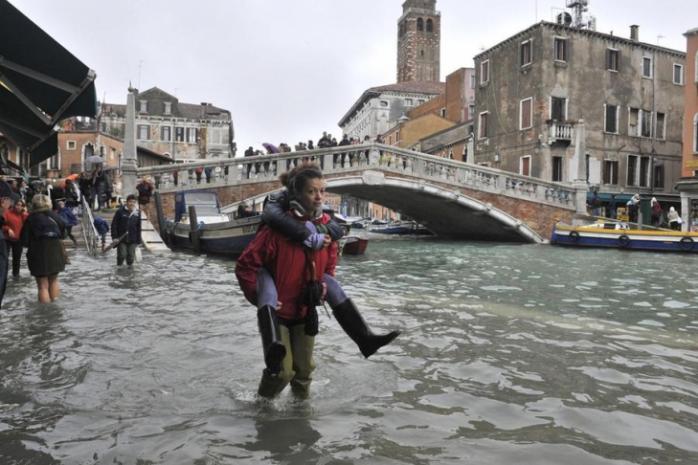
212	232
624	236
354	245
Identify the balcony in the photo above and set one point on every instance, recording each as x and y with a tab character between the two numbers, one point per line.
560	132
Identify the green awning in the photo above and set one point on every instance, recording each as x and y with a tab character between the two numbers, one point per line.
41	83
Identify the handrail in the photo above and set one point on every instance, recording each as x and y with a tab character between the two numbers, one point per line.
358	158
89	233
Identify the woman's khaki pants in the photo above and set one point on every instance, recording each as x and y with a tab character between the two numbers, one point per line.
296	367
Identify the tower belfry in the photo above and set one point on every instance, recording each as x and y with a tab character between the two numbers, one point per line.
419	42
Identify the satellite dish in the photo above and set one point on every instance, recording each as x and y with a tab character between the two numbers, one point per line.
564	19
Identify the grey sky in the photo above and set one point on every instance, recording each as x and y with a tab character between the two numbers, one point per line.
287	70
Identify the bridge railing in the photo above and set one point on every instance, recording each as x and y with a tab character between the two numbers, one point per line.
356	158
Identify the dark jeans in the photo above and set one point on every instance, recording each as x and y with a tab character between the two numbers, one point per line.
16	247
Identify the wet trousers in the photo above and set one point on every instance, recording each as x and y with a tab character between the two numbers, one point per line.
126	252
297	366
16	248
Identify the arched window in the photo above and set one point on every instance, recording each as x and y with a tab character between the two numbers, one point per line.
420	24
430	25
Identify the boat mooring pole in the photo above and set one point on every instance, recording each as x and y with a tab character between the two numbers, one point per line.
161	218
194	232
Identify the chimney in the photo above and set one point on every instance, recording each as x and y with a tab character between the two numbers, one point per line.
635	33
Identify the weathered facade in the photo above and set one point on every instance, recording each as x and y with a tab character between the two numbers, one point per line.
454	143
182	131
407	132
552	91
419	42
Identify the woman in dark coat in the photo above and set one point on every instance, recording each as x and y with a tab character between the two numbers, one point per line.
42	234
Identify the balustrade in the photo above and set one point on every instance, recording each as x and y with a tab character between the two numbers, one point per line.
352	159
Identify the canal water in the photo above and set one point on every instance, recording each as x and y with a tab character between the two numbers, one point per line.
509	354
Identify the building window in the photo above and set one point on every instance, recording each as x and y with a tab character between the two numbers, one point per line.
610	172
526	113
633	122
165	133
558	108
647	67
71	145
193	136
695	133
560	49
644	171
525	165
525	57
678	74
612	59
471	112
658	177
645	123
611	119
660	125
443	112
54	163
409	102
179	134
557	169
430	25
384	103
143	106
472	81
482	127
168	108
420	24
143	132
632	169
485	72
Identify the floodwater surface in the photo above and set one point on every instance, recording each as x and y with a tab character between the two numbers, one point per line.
509	354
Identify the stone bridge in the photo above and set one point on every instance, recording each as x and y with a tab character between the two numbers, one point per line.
453	199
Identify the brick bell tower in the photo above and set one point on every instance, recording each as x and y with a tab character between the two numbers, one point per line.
419	41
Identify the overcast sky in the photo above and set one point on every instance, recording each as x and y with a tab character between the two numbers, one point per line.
287	70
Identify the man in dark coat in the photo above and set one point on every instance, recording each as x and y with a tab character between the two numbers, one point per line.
126	227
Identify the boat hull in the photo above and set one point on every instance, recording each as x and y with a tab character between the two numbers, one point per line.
626	239
229	238
354	246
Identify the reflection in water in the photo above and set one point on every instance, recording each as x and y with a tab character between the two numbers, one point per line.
509	354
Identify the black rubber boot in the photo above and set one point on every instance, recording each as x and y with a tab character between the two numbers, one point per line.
274	350
353	324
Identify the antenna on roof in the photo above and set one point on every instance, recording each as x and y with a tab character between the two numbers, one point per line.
575	17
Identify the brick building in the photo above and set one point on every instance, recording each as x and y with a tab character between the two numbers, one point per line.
419	42
688	185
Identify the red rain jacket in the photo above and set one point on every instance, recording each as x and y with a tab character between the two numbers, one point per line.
286	262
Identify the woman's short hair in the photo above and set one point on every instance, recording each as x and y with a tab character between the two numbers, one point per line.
296	179
41	202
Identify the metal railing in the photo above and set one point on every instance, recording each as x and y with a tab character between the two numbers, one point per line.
357	158
89	233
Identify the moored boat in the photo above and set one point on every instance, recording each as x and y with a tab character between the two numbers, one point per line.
214	232
624	236
354	245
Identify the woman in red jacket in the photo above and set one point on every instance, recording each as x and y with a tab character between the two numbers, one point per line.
15	217
286	309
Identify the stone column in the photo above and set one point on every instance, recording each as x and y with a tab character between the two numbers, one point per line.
129	161
685	212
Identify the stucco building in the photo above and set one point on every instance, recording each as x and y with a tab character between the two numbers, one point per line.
563	103
181	131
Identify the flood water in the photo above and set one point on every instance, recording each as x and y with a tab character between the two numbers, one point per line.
509	354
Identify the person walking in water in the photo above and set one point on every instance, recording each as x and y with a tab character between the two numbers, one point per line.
126	227
15	217
287	281
42	234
